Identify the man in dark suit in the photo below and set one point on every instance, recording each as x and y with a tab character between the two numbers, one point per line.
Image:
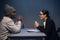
48	26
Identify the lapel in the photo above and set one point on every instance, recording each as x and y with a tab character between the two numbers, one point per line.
47	23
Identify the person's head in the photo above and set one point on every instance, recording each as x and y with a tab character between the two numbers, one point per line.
10	11
43	14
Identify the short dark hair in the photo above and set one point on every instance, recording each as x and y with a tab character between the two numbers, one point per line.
45	12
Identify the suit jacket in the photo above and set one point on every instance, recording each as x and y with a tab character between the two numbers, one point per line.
50	30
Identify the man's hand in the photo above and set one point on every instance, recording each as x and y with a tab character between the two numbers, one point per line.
36	24
19	18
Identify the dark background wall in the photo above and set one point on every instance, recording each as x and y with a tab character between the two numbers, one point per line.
29	9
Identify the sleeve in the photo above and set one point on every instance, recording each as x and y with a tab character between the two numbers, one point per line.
14	27
41	28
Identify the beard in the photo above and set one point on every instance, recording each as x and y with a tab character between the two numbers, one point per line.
13	17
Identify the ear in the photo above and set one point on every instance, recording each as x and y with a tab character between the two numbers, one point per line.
45	15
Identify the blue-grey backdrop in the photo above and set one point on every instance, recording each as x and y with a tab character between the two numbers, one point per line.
29	9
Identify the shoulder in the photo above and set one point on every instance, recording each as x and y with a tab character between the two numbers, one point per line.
6	19
50	21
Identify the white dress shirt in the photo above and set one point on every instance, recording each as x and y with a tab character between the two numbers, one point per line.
44	23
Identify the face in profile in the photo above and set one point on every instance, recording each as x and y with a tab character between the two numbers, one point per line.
13	15
42	15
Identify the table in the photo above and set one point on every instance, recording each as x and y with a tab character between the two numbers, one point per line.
28	35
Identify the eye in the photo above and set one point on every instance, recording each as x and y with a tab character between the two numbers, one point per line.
14	11
41	14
